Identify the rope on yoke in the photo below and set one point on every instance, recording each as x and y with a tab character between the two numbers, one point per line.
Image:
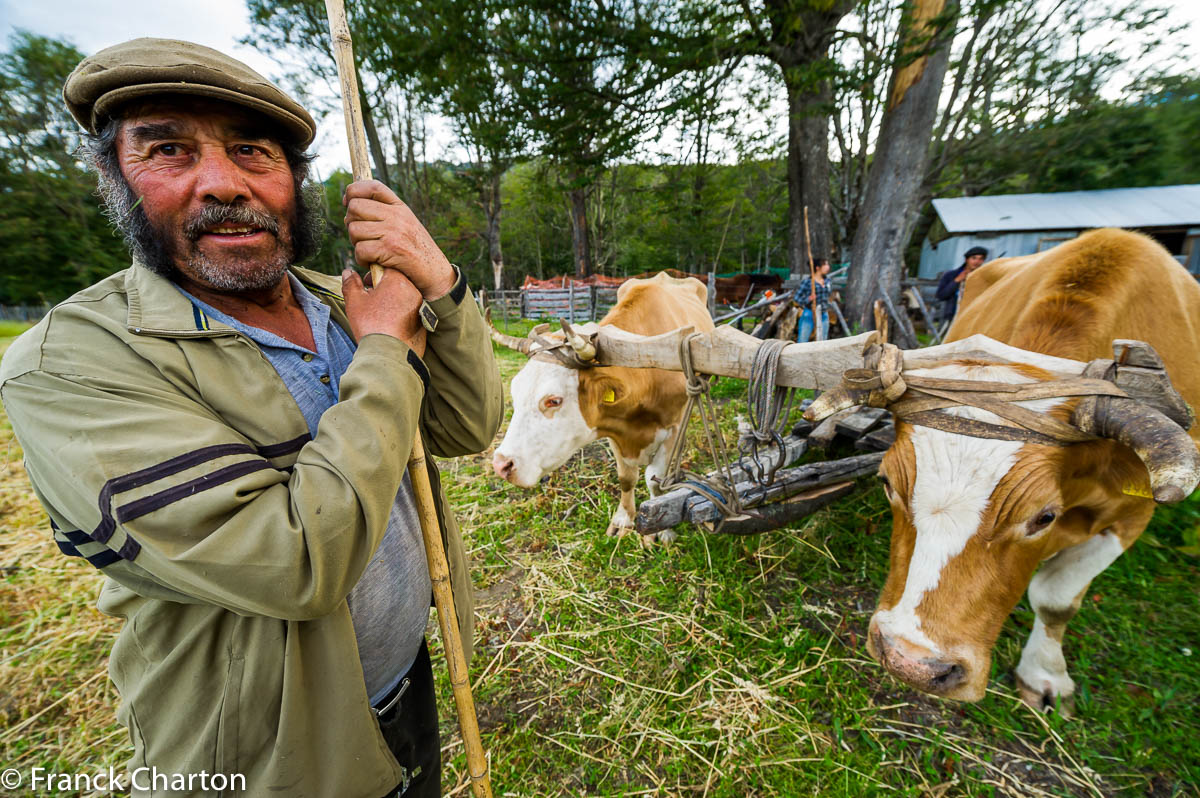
921	400
721	489
765	398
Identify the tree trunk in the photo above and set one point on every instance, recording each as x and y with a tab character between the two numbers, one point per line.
492	207
901	154
808	174
580	246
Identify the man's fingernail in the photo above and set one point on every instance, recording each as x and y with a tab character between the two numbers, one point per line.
347	273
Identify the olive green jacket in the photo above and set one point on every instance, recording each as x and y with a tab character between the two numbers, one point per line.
168	452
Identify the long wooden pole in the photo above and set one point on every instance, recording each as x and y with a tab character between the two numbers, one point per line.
435	552
812	276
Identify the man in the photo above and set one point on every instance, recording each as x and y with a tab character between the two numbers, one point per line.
950	286
225	436
813	291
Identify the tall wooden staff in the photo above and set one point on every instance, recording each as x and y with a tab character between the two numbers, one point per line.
812	277
435	553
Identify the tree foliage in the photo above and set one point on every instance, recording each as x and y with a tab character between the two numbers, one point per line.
53	238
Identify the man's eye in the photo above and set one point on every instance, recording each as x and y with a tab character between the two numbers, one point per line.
249	150
168	150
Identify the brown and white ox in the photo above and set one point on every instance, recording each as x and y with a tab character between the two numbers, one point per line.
974	518
557	410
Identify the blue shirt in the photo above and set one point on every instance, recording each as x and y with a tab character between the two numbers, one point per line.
390	604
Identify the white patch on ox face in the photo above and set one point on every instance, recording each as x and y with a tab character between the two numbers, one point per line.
955	478
538	442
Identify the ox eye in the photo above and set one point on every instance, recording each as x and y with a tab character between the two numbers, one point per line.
887	487
551	402
1044	519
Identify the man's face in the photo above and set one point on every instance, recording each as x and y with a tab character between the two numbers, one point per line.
974	262
216	188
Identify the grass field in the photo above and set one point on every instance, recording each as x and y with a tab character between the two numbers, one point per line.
718	667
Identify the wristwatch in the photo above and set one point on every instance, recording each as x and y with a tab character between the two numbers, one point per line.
429	318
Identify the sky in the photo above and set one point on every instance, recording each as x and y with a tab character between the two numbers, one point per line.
92	25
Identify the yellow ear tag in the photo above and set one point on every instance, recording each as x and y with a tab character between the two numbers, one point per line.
1137	490
609	397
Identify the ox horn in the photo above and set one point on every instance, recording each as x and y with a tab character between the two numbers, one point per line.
522	345
584	349
1162	445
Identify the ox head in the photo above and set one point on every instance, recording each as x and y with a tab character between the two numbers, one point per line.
549	399
973	517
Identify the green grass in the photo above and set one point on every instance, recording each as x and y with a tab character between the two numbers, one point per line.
11	329
730	666
720	666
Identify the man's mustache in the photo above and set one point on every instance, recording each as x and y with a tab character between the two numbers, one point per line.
234	214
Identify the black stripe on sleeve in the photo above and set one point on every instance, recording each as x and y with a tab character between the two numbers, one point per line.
287	447
419	367
108	557
129	550
145	476
101	559
75	536
460	288
156	501
67	548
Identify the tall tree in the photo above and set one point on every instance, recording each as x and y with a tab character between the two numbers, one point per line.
901	155
53	238
795	36
586	92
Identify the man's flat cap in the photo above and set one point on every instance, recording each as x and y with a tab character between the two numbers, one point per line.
145	67
975	251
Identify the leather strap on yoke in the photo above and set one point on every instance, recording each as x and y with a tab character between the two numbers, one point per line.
919	400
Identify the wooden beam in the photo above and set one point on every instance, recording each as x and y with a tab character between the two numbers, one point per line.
773	516
818	365
678	506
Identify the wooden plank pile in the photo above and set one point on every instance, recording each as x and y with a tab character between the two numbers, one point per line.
794	492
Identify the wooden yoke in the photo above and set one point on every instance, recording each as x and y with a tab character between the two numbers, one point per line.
817	365
418	471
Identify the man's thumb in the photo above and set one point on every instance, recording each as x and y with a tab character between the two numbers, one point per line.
352	285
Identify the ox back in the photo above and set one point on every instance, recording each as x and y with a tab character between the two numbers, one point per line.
643	402
1103	285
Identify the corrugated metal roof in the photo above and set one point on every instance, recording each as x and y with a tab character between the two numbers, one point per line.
1157	206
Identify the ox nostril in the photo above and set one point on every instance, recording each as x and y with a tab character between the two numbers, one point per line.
503	466
945	676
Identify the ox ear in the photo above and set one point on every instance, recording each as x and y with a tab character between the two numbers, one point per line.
601	391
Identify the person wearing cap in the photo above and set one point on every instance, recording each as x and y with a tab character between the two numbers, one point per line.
224	434
950	286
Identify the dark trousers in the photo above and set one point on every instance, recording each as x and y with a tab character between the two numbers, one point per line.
411	731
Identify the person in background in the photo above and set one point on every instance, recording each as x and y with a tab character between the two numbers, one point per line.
812	288
950	286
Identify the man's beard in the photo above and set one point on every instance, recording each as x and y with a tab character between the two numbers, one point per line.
161	249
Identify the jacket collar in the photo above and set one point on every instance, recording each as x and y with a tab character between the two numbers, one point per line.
156	306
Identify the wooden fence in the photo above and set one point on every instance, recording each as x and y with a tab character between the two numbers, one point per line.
575	303
23	312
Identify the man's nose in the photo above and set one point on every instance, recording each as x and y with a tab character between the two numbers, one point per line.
219	179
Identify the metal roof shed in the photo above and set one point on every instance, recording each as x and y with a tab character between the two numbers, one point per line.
1021	224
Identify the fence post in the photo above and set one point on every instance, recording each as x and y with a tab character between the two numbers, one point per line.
712	293
571	301
591	303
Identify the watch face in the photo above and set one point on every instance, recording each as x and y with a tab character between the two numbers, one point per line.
429	319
